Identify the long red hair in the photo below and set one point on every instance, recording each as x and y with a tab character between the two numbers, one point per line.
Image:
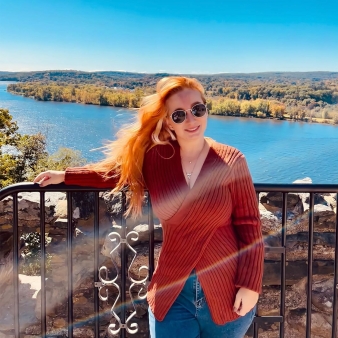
125	155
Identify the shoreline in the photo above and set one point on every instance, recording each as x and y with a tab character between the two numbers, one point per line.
305	120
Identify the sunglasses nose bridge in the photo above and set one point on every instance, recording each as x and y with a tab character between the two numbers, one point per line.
189	115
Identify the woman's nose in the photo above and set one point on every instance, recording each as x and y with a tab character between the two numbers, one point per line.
190	116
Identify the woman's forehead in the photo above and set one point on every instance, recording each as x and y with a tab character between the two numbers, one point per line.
185	96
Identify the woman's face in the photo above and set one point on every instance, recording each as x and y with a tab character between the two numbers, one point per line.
193	127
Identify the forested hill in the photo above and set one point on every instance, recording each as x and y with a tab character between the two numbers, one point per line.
131	80
301	95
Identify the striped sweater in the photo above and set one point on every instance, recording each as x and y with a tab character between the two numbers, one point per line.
214	227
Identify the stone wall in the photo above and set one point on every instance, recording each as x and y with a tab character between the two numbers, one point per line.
110	221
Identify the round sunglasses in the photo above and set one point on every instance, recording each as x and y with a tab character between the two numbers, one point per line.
198	110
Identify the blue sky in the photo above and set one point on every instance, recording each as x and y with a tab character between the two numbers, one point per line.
169	36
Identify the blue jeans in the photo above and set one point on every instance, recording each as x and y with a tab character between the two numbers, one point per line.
189	317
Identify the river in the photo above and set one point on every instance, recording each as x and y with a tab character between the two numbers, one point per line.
276	151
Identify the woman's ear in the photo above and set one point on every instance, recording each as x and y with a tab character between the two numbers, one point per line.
167	122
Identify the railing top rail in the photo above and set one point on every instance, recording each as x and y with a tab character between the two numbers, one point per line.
34	187
297	187
260	187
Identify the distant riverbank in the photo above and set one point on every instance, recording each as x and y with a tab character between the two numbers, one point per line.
124	98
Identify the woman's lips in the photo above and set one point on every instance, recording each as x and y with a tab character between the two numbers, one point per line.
191	130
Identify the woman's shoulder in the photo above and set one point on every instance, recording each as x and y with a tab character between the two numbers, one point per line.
227	153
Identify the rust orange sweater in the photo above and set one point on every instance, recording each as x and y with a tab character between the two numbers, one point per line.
213	228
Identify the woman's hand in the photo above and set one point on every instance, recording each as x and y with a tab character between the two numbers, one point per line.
245	301
50	177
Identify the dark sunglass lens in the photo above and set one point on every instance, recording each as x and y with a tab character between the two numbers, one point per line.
178	116
199	110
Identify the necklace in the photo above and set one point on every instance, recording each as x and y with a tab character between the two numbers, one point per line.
191	172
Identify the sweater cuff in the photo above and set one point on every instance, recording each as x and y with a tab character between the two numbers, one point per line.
78	176
250	273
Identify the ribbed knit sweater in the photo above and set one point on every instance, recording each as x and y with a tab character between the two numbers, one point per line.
214	227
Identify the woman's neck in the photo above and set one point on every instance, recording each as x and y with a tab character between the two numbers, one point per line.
192	149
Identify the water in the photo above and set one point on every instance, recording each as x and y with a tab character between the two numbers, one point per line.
276	151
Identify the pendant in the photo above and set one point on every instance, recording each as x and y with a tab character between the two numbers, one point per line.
189	176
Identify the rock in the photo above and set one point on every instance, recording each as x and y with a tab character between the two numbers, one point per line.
320	328
61	223
143	234
324	220
83	333
6	335
61	208
29	210
305	180
295	271
141	259
275	200
56	297
76	213
51	198
29	287
319	238
270	223
331	201
6	240
33	330
60	323
322	294
80	300
59	259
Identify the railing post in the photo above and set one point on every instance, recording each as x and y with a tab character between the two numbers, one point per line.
96	265
310	272
43	264
70	263
123	266
16	265
283	265
335	280
255	324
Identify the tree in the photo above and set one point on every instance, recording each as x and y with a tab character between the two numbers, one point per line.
8	130
29	150
335	118
23	156
247	108
60	160
262	106
277	110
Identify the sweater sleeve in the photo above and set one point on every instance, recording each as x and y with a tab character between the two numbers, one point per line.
247	225
83	176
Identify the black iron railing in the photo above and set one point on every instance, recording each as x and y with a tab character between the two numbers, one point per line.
123	325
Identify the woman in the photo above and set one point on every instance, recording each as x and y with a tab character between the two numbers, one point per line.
209	273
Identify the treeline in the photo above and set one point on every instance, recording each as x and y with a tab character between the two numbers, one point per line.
23	156
255	102
87	94
132	80
320	93
272	109
308	88
256	108
110	79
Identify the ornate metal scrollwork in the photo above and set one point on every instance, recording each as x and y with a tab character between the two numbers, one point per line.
142	282
115	328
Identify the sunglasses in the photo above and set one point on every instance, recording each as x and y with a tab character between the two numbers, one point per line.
198	110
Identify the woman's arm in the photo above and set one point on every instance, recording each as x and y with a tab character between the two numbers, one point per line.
76	176
247	225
